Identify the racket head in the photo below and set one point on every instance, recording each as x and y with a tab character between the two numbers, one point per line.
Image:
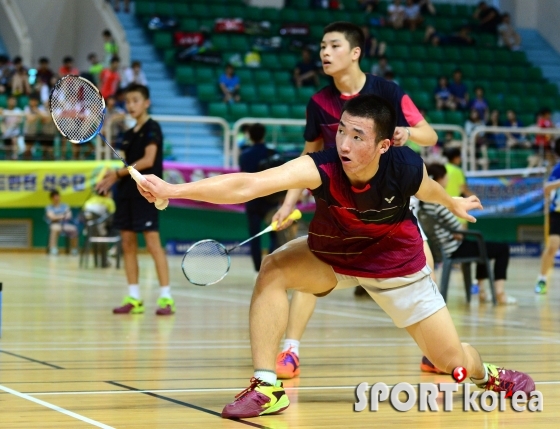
206	262
77	108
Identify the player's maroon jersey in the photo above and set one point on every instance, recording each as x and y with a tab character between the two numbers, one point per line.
369	232
325	108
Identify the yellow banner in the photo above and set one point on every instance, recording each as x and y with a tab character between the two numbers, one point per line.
28	183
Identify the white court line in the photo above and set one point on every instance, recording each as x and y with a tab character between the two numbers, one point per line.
55	408
229	389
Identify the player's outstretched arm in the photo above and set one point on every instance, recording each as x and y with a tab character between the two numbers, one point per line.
422	133
293	195
432	192
237	187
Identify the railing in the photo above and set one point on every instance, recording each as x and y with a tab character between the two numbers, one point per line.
483	129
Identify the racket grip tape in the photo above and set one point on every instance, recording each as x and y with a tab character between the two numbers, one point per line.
295	215
135	174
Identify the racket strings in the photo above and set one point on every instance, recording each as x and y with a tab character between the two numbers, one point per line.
206	262
77	108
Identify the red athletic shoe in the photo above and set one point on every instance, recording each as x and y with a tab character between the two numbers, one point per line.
427	366
507	380
130	306
258	399
287	365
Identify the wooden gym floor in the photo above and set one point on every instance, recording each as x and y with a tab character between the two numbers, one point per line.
67	362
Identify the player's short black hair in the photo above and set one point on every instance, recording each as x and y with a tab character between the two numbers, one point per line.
452	153
257	132
556	146
352	32
107	33
436	171
67	59
53	193
377	109
136	87
43	60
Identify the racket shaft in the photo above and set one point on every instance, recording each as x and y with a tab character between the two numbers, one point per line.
264	231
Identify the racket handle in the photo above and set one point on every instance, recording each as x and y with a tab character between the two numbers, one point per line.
295	215
135	174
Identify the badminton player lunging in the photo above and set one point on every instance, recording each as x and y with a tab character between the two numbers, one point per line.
362	233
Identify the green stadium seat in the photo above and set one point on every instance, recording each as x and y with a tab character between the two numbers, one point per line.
144	8
288	61
286	94
419	53
322	16
252	14
512	102
182	10
239	43
454	118
535	74
245	75
470	71
500	73
189	24
305	93
519	73
536	89
436	116
248	93
519	57
235	11
270	61
200	10
238	110
385	34
547	88
220	42
269	14
341	15
316	32
503	56
218	109
485	39
298	111
451	54
169	57
403	37
495	101
163	40
287	15
421	99
530	104
410	84
516	88
205	75
447	69
262	76
527	119
445	9
208	92
164	9
184	75
399	67
484	72
469	55
218	11
548	102
259	110
282	77
267	93
280	111
499	87
427	84
398	51
432	68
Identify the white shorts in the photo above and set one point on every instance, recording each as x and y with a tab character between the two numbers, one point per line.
407	300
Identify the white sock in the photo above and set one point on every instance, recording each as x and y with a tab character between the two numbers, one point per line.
165	292
134	291
291	344
483	380
266	376
541	278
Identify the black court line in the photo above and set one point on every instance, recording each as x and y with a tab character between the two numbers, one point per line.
186	404
31	360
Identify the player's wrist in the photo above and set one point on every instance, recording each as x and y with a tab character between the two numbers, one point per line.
408	134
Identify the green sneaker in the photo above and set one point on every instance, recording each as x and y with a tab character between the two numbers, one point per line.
166	306
540	288
130	306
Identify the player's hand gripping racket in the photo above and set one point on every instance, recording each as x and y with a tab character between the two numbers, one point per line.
78	110
207	262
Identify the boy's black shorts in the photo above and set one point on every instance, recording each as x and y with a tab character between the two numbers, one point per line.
136	214
554	223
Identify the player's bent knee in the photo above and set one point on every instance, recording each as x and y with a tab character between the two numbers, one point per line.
271	273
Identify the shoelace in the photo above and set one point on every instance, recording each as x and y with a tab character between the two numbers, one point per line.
285	355
502	385
255	382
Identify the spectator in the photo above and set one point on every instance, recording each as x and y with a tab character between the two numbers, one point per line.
453	245
306	73
35	117
126	6
480	104
110	78
6	71
59	218
67	67
459	90
444	98
413	18
134	74
110	48
243	139
495	139
381	67
229	84
99	209
120	99
460	38
390	76
456	185
95	67
261	209
426	6
10	126
372	47
474	120
487	17
514	139
544	120
44	72
508	36
450	142
369	6
396	14
19	83
114	118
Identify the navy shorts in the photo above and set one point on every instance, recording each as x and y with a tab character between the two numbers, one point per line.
136	214
554	223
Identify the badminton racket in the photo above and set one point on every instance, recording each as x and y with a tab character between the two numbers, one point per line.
207	262
78	110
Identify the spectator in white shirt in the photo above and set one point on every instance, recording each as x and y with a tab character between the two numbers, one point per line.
134	74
